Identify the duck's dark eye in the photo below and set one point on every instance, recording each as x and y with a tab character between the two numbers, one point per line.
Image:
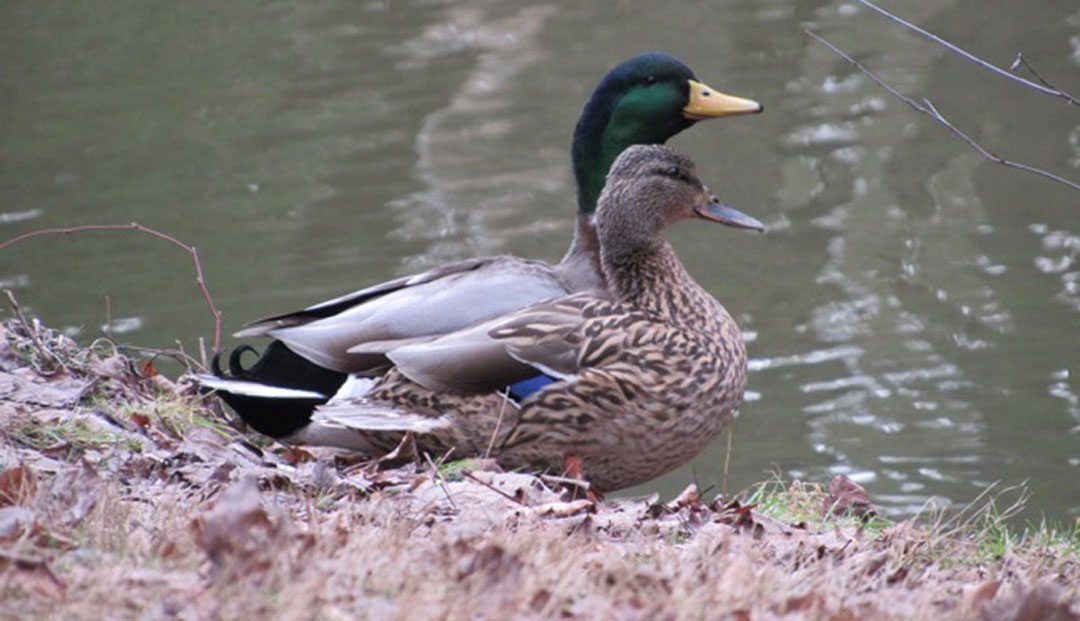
648	80
672	172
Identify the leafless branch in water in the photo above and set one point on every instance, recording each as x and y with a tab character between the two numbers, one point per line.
1042	86
927	108
1021	62
200	279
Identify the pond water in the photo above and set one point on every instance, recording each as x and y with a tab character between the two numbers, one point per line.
913	312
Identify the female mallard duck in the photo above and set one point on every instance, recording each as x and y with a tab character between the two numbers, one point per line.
646	99
630	382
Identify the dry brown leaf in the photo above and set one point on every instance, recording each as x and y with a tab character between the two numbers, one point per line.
204	444
563	509
977	595
27	388
742	517
847	496
237	525
148	369
113	367
32	575
74	494
17	486
1042	602
801	603
16	523
294	455
689	497
489	559
22	524
165	384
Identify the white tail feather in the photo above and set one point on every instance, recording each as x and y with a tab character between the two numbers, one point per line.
254	389
369	417
353	388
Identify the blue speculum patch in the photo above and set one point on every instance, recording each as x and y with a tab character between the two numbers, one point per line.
526	387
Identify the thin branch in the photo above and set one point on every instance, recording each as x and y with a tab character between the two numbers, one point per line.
1020	61
1045	87
727	458
585	485
32	333
498	423
466	473
200	279
441	481
929	110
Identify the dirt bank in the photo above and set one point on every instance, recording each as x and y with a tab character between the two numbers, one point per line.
124	495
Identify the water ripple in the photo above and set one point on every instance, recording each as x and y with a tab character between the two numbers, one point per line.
10	217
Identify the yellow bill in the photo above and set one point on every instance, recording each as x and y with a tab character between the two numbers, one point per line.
709	103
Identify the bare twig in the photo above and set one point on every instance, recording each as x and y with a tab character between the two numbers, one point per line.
470	476
200	279
929	110
107	328
178	355
566	481
1020	61
498	423
727	457
441	481
1044	87
31	331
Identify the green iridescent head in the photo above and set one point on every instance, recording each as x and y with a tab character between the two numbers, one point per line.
644	100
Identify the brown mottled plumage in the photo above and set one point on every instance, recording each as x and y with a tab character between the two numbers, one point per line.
649	371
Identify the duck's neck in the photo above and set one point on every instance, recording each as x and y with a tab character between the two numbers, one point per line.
654	280
593	150
580	268
601	135
592	155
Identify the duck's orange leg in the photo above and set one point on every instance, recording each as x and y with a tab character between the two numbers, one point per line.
573	468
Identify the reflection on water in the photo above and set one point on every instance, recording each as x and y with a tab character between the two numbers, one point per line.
912	315
471	185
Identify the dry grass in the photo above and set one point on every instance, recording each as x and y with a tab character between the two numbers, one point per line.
131	499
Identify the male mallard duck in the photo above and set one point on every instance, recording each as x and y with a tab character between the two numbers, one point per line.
646	99
628	382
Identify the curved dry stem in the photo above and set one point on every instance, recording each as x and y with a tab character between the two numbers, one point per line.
1043	86
200	279
927	108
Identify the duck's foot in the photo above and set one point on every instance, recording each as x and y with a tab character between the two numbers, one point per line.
573	468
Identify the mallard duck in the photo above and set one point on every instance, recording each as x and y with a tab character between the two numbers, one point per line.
627	382
646	99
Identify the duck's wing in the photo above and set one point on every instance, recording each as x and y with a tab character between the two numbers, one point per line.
543	338
549	337
351	334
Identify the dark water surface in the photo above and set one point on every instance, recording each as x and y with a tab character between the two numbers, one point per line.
914	311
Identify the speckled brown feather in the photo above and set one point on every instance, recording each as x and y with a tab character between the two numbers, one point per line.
652	370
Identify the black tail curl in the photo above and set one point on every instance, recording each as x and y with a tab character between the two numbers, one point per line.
236	367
